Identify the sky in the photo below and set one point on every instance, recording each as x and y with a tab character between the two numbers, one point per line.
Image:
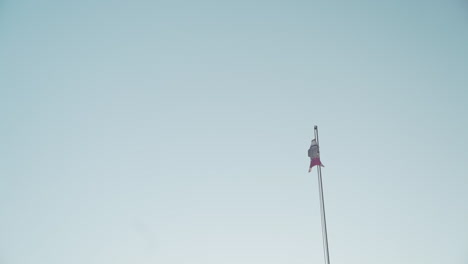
177	131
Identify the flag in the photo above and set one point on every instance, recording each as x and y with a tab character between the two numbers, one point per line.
314	155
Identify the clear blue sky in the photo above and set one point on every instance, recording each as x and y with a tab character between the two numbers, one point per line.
176	132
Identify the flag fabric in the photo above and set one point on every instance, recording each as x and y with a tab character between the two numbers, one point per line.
314	155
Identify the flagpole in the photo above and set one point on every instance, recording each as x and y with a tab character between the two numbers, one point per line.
322	205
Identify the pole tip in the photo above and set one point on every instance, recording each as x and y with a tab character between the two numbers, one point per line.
315	127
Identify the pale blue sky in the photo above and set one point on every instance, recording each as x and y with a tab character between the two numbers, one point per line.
176	132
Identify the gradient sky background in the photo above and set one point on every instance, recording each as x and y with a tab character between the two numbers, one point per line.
176	132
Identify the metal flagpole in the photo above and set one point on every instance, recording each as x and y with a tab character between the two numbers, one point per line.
322	205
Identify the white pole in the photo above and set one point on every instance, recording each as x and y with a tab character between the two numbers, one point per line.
322	205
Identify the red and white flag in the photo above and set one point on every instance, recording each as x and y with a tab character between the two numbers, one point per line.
314	155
